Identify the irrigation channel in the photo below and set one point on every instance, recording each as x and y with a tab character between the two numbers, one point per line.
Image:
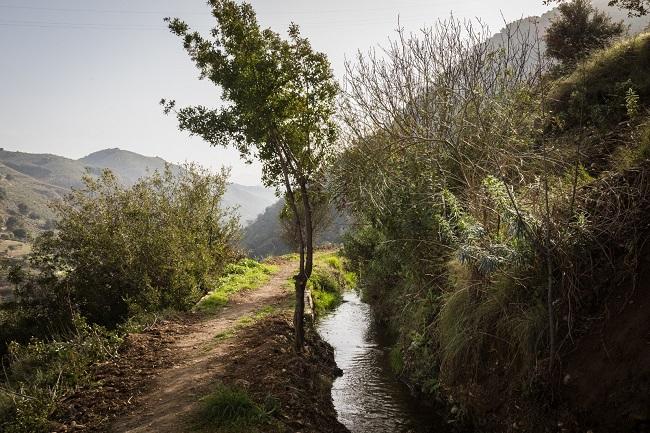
368	397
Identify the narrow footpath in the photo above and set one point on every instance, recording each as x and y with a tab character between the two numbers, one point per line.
200	359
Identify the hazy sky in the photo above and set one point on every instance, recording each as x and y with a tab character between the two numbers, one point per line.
77	76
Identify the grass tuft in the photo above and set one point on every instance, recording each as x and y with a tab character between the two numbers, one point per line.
230	409
495	323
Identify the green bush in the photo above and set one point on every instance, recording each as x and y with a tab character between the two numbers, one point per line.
156	245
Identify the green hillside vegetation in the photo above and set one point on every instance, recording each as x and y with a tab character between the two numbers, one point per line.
493	248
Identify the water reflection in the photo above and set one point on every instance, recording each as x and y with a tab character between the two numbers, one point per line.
368	398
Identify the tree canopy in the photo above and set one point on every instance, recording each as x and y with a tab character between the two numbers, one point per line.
578	31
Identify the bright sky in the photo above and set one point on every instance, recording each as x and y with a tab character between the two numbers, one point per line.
77	76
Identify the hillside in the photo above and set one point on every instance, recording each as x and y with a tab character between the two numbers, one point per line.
29	182
263	237
537	25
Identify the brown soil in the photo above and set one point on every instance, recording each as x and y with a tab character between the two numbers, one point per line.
302	383
157	381
608	374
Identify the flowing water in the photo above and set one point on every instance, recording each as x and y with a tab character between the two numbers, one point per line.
368	397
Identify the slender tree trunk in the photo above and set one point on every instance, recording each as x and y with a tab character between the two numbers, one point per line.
307	257
309	228
300	280
300	285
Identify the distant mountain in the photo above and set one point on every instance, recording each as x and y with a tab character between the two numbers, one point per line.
263	237
129	166
28	182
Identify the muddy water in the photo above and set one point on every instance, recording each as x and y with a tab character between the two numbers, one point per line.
368	397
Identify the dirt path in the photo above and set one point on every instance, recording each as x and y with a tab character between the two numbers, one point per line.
174	393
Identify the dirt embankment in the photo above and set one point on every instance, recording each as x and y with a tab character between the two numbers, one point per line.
157	382
607	376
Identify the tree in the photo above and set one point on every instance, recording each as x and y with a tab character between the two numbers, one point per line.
152	246
280	102
578	31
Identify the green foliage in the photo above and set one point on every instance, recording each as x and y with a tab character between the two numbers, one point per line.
292	108
120	251
479	327
230	409
247	274
39	375
329	280
579	30
325	300
603	82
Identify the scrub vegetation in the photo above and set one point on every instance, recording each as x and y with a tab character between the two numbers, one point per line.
500	204
498	197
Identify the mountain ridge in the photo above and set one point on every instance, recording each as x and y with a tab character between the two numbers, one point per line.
29	181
